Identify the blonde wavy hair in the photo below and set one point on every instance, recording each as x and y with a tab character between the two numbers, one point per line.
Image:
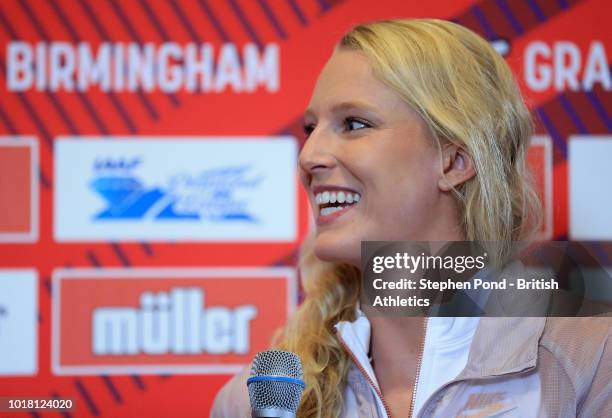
467	95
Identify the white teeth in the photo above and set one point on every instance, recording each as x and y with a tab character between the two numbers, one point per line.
324	198
330	210
333	197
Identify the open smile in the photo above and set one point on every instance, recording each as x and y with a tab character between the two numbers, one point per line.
333	203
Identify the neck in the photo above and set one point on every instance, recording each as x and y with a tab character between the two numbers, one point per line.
404	331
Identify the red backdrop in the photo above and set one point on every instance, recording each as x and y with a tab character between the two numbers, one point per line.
555	50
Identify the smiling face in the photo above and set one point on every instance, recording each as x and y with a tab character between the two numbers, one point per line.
369	165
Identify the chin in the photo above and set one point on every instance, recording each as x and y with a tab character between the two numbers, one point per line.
338	252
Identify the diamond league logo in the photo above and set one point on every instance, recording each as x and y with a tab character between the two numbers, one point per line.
209	194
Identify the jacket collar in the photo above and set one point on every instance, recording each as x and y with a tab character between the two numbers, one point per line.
503	345
356	336
500	345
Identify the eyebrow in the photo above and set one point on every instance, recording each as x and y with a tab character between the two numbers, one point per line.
344	106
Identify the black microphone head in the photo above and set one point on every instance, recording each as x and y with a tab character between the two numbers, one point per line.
276	381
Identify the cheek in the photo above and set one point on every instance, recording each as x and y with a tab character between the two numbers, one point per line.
402	197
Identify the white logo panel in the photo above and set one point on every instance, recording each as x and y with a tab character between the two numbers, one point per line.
18	322
590	194
189	189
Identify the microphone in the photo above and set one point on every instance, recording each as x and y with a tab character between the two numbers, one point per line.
276	384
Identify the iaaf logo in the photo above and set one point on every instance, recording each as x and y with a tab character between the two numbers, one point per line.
178	188
210	194
166	320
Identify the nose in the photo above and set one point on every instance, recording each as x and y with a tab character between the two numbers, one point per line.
316	157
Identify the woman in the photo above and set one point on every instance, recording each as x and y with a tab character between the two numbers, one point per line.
417	131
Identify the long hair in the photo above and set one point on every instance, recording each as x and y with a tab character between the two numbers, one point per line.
467	95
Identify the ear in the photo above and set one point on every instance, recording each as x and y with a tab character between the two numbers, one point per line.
457	167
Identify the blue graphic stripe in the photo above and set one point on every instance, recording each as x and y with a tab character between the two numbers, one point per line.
130	28
60	110
108	383
6	120
40	29
86	397
507	12
287	260
58	11
245	23
138	382
283	379
65	414
120	254
35	22
125	21
36	119
324	5
535	8
47	284
600	109
154	20
94	20
43	178
213	20
82	98
147	249
44	181
569	109
552	130
301	17
30	109
185	21
93	259
26	104
163	34
122	113
280	31
483	22
149	106
118	107
563	4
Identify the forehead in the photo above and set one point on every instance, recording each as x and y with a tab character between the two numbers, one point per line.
348	77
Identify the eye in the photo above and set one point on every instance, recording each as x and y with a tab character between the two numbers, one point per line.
308	128
354	124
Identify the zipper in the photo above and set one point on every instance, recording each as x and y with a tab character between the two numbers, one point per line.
418	370
365	374
376	389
